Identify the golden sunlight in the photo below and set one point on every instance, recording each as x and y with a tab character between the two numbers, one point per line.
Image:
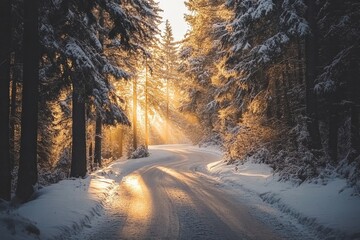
132	182
98	184
136	202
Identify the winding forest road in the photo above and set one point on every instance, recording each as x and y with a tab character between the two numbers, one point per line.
170	199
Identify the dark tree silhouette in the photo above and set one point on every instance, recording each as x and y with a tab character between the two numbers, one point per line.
5	43
27	176
311	62
78	163
98	138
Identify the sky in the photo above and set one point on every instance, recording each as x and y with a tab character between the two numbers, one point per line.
174	11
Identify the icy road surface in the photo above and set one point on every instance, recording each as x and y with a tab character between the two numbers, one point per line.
173	198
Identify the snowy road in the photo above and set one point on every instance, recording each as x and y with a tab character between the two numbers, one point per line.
171	198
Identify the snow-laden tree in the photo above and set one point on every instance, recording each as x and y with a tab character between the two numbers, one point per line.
199	56
262	50
336	80
276	56
168	72
257	38
71	35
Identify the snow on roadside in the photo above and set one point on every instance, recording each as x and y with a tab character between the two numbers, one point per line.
62	209
65	208
331	210
209	149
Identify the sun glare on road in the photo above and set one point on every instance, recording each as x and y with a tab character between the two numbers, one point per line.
132	182
136	203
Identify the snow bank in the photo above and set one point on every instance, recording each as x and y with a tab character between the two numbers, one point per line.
209	149
64	208
331	210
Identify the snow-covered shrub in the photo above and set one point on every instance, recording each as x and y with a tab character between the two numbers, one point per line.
140	152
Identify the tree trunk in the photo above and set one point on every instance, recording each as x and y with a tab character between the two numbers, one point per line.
98	122
300	63
121	141
270	104
146	108
355	138
355	99
167	121
78	161
91	155
311	62
285	88
278	99
333	132
16	77
27	176
5	46
135	114
98	138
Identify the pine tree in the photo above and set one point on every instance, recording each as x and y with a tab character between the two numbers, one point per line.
200	54
27	176
5	48
311	56
151	88
169	72
335	85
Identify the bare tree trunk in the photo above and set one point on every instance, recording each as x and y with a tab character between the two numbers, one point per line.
135	114
121	141
78	159
333	131
269	105
16	77
146	108
278	99
98	138
355	99
285	88
167	113
5	46
311	61
27	176
91	155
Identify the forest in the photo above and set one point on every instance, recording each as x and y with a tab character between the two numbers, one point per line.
85	82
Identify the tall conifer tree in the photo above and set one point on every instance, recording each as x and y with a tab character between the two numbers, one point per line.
5	48
27	176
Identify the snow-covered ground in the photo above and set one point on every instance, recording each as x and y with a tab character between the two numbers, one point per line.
63	209
331	210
